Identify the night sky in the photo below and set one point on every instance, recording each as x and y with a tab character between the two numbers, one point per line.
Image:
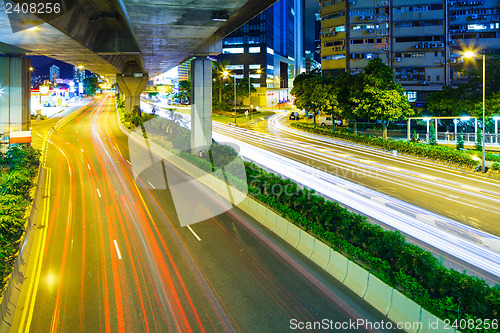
42	64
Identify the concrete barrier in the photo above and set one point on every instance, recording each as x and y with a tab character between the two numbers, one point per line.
293	235
281	228
243	205
260	213
432	324
405	311
270	221
337	266
356	278
378	294
321	254
306	244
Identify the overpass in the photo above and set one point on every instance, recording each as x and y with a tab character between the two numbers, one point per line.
127	39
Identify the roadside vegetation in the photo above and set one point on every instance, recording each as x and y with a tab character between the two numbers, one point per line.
444	292
434	152
18	169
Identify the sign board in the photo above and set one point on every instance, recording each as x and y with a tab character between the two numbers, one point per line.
20	137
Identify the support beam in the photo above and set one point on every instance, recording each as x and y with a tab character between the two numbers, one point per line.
15	94
201	105
132	87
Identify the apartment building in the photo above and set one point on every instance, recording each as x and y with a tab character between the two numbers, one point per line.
422	40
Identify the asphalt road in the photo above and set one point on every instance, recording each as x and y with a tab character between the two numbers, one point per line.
117	260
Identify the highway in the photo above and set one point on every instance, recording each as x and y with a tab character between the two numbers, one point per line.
420	198
116	259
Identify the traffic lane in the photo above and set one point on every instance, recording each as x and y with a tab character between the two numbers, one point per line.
258	277
423	193
433	169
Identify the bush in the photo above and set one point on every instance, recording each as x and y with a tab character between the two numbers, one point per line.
438	153
495	166
460	141
22	163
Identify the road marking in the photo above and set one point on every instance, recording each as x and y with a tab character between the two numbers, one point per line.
99	193
154	188
82	150
115	148
88	166
117	249
194	233
129	162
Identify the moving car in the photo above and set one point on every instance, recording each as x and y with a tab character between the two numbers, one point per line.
294	115
329	121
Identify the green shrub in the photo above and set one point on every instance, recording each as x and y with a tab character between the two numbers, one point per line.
495	166
460	141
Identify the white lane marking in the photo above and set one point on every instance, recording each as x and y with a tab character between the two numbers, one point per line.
194	233
98	193
154	188
115	148
129	162
82	150
117	249
88	166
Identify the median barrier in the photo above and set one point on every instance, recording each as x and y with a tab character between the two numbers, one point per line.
321	254
405	311
337	266
306	244
243	205
293	235
270	220
260	213
356	278
281	228
432	324
378	294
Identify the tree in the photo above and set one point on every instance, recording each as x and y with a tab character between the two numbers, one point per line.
184	93
382	104
460	141
90	85
432	139
479	139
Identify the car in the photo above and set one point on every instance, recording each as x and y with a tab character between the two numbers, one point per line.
329	121
294	115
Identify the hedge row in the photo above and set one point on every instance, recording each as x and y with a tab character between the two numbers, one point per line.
438	153
18	169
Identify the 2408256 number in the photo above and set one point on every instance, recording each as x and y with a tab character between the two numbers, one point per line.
472	324
33	8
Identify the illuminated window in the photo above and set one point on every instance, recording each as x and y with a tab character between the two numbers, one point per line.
234	50
254	49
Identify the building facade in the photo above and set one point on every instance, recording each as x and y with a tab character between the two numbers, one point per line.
54	73
78	74
268	50
422	40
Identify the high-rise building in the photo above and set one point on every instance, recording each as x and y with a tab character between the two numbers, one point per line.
422	40
270	43
54	73
78	74
184	71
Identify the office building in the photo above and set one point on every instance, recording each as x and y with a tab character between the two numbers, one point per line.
78	74
272	44
184	71
54	73
421	40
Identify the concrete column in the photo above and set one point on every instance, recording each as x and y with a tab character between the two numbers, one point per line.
132	87
408	129
427	135
201	104
15	94
436	128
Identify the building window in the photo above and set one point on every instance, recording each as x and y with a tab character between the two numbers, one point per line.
270	50
253	39
334	57
254	50
257	66
233	67
234	50
412	96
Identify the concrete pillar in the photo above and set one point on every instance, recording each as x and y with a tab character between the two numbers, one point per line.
408	129
15	94
132	87
427	135
436	128
201	104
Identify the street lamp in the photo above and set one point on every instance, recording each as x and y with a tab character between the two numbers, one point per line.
259	71
470	54
226	75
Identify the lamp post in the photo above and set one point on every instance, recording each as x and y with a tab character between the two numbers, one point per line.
226	75
470	54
